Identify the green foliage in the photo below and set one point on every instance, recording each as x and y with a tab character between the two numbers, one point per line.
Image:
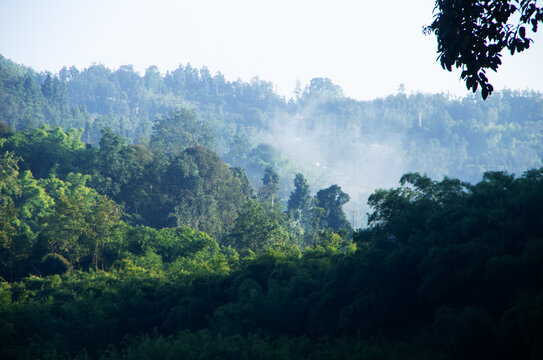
28	99
443	271
180	129
270	185
437	134
23	204
47	151
256	231
55	222
244	182
8	176
299	204
471	35
117	166
205	194
300	198
331	200
194	188
5	130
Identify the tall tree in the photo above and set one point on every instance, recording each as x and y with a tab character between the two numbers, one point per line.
331	200
270	185
116	164
9	189
299	202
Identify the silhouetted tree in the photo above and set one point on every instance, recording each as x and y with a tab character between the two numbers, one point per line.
332	200
270	183
299	201
471	35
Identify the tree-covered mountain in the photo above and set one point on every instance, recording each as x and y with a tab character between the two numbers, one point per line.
330	138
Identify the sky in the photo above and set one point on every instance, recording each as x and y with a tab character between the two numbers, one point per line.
368	48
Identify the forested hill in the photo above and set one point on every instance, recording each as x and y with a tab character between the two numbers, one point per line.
332	139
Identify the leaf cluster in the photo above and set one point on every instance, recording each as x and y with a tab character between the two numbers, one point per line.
472	34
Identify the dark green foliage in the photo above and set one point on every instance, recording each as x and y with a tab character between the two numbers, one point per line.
210	195
193	188
300	198
51	226
205	345
299	204
117	166
331	200
47	151
5	130
10	189
257	230
270	185
471	35
446	270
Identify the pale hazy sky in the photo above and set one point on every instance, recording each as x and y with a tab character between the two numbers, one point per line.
368	48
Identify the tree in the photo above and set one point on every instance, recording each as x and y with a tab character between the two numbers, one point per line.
101	218
5	130
203	192
22	207
116	165
331	200
80	224
181	129
256	230
243	181
153	80
270	186
46	151
471	35
299	201
320	88
9	189
9	170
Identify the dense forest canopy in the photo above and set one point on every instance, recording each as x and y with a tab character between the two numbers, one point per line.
445	269
180	214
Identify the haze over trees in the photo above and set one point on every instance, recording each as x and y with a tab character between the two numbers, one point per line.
331	139
442	271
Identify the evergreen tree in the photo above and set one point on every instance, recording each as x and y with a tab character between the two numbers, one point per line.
331	200
270	185
299	202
